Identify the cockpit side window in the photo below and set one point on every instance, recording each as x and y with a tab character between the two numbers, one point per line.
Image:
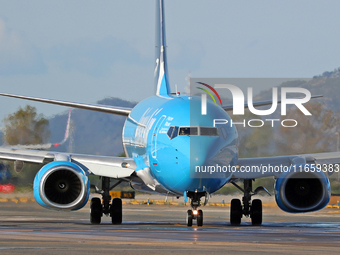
223	133
188	131
171	129
172	132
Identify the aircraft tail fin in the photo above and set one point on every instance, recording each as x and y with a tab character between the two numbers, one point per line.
161	70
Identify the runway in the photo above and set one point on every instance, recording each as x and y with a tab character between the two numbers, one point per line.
154	229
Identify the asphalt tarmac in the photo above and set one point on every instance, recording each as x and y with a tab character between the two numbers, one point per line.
27	228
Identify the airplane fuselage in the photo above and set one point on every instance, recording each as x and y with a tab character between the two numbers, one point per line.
169	136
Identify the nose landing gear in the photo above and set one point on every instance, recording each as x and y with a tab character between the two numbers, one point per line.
195	214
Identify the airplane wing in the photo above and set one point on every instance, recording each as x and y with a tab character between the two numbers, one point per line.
113	167
263	167
124	111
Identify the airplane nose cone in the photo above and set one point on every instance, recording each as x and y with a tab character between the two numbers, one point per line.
205	158
198	165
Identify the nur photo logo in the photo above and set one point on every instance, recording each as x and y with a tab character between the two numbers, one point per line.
281	97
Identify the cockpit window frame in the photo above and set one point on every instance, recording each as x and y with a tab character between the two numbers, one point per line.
174	131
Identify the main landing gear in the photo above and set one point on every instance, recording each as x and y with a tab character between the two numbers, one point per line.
114	210
195	214
252	209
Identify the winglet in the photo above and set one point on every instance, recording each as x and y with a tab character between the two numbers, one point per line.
161	70
67	131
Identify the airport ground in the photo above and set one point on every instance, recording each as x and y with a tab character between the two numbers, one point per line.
27	228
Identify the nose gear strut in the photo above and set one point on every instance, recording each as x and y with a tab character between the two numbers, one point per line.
195	214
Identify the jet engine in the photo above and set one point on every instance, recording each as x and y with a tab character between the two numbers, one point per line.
303	188
61	185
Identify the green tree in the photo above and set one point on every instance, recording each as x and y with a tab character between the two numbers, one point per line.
25	126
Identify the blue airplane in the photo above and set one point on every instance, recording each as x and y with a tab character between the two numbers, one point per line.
165	139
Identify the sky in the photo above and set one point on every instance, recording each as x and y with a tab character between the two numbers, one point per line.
84	51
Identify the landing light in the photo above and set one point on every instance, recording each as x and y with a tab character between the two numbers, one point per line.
125	165
195	212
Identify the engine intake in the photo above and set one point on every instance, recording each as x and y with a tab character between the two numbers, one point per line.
302	191
61	185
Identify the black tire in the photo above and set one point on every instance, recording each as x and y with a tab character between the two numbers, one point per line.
256	212
116	211
200	218
235	212
189	218
96	211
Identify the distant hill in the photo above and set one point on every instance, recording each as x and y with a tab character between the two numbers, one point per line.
328	87
91	132
332	74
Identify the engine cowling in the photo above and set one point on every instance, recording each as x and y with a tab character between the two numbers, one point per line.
61	185
304	188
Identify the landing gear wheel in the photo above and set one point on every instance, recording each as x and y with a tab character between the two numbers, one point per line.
116	211
256	212
235	212
96	210
199	218
189	218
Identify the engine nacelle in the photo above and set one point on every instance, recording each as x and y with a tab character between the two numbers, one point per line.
61	185
304	188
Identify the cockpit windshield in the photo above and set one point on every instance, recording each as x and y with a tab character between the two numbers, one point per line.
192	131
188	131
209	131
